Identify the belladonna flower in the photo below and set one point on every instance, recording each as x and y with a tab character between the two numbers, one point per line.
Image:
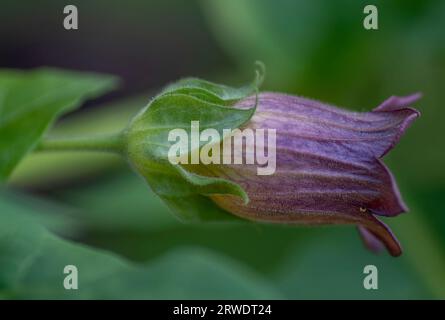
328	166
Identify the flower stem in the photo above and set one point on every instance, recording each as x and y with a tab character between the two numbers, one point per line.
107	143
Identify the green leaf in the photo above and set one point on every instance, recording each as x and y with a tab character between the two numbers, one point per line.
44	169
32	261
176	107
31	100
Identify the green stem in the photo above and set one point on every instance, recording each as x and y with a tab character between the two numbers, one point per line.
109	143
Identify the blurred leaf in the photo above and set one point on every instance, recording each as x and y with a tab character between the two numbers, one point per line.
32	261
43	170
424	249
295	258
118	203
54	216
324	269
31	100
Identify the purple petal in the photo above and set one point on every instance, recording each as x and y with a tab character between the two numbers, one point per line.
328	164
371	241
398	105
377	235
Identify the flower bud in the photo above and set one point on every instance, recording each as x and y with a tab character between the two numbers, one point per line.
306	162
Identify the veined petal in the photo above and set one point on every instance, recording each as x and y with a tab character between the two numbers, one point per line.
398	107
307	125
377	235
328	167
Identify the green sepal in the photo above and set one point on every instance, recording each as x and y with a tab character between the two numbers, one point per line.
198	208
172	111
216	93
185	190
186	193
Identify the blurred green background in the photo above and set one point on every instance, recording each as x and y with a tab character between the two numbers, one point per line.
104	219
